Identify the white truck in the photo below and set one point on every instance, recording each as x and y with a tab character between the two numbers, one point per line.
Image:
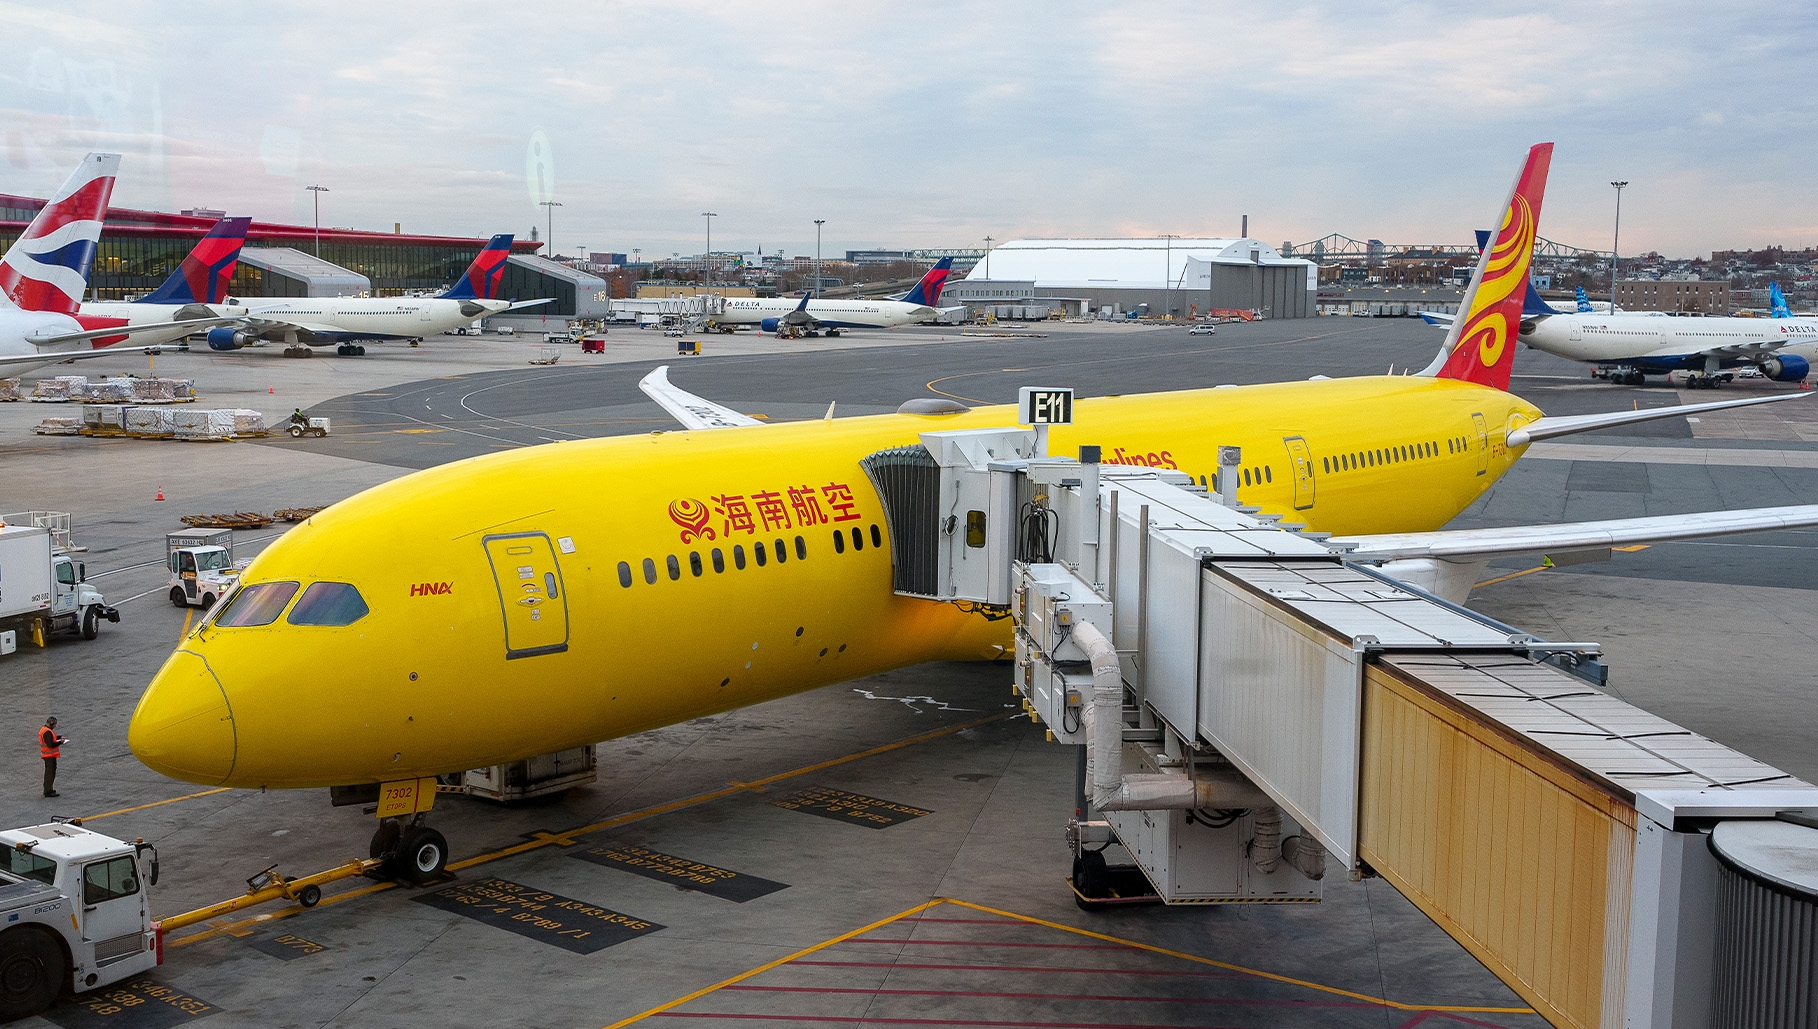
201	563
44	592
75	913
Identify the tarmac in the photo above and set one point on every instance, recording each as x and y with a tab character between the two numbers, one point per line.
955	913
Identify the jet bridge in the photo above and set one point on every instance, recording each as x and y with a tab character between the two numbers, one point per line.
1254	713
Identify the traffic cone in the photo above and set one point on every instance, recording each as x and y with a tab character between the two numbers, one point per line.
271	389
160	495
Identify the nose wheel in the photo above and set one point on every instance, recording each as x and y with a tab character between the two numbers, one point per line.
413	853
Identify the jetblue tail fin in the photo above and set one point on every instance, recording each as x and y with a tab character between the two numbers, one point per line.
928	291
47	269
1584	302
203	276
1481	343
1778	300
483	276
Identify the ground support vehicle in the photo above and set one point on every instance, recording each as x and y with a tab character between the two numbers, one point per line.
44	591
201	564
317	427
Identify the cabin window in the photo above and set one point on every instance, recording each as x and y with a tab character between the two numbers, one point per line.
858	541
675	568
719	560
839	542
650	571
259	604
1325	464
328	603
624	575
738	557
1246	476
782	552
761	552
694	562
1268	474
1451	446
801	549
877	538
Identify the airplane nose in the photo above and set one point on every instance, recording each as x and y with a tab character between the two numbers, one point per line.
183	726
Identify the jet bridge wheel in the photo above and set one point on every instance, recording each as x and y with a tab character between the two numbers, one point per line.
1091	877
32	972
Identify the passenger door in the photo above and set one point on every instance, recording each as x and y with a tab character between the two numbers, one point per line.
1301	458
532	598
1483	443
113	908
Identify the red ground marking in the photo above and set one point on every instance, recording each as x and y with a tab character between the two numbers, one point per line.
1024	968
849	1020
1057	996
975	943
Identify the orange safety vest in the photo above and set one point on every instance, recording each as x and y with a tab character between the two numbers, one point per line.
47	742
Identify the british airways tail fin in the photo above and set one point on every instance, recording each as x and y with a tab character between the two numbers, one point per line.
47	269
928	291
483	276
1778	301
1481	343
203	276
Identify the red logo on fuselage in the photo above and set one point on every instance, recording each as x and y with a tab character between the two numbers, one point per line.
431	589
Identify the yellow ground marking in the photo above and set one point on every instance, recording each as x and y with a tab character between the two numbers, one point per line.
1632	549
1151	948
157	803
742	976
418	432
189	614
566	839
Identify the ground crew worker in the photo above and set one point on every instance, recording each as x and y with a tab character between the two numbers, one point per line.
49	746
297	418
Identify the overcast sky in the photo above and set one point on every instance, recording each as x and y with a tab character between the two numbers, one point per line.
930	124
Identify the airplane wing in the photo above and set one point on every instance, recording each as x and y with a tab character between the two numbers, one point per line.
692	411
1565	425
125	330
1442	319
1479	544
306	332
518	305
53	357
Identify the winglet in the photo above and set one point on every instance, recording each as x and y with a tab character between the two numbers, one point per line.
1480	344
203	276
692	411
482	278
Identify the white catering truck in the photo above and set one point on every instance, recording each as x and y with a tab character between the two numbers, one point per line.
73	914
44	592
201	563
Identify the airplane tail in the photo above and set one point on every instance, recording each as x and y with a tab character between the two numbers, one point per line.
203	276
483	276
928	291
47	269
1584	302
1481	341
1780	309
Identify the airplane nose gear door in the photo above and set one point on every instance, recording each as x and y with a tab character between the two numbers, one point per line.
1302	457
531	594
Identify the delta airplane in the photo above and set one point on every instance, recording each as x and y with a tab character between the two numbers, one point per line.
194	291
313	322
811	316
44	274
514	604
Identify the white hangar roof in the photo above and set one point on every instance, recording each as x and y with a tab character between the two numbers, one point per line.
1121	263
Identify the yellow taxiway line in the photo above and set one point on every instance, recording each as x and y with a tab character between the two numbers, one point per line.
157	803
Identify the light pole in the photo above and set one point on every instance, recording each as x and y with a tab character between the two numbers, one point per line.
708	256
818	222
1168	274
549	233
1615	243
987	258
318	191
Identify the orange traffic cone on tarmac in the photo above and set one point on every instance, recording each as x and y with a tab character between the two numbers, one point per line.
271	389
160	495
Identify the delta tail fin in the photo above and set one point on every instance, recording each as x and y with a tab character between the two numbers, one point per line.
1481	343
203	276
485	275
47	269
928	291
1777	300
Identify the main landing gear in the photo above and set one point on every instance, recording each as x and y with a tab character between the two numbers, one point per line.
412	852
351	350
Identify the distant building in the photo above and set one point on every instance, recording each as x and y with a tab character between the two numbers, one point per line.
1182	277
1695	297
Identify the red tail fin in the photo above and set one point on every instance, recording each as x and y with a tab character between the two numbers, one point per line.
1482	340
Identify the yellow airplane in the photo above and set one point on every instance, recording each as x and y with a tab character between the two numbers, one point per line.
516	604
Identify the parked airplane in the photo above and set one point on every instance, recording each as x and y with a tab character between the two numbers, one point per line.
511	605
322	321
45	273
193	292
811	317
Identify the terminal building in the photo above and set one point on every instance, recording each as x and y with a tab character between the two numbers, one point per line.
139	250
1182	278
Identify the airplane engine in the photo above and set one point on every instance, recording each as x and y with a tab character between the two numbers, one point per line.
769	324
226	339
1786	368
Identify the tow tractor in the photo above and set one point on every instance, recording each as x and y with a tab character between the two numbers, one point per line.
201	563
74	906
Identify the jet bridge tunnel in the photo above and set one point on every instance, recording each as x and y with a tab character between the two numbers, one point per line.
1265	711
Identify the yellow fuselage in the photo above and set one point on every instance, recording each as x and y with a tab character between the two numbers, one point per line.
499	626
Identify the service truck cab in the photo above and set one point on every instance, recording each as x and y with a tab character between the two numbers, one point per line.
43	592
201	563
73	913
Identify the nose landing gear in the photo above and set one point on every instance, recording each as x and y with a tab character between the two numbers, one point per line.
412	852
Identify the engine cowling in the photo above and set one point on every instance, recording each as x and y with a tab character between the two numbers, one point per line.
770	324
226	339
1786	368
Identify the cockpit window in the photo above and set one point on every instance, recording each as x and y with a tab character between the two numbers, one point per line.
328	603
258	604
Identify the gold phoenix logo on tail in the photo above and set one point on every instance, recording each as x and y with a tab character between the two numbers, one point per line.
1492	309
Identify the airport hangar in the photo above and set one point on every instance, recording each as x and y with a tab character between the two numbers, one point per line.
139	249
1172	276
